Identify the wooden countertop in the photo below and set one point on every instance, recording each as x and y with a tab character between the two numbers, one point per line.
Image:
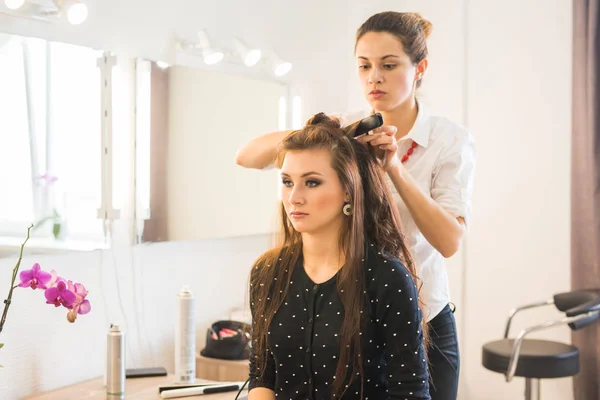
136	389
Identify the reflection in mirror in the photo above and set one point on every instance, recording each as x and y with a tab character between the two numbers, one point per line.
195	120
49	139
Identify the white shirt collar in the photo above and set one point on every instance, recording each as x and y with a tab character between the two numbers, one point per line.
419	131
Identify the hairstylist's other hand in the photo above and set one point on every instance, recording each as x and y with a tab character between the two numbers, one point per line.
384	141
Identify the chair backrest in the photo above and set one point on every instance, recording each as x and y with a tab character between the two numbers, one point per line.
567	300
579	302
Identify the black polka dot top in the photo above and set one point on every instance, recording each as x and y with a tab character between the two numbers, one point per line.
303	338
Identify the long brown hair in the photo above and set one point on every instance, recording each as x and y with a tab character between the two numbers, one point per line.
374	219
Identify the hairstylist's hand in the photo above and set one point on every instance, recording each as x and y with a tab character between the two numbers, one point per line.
384	141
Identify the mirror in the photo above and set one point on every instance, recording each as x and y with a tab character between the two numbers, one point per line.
50	141
191	122
187	122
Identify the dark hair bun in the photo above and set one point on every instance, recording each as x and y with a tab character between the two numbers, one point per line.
322	118
426	25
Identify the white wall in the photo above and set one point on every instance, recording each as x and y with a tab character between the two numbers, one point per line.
519	109
515	99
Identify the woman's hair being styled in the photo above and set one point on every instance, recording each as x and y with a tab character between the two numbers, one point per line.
375	220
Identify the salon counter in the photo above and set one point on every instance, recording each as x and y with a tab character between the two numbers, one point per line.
136	389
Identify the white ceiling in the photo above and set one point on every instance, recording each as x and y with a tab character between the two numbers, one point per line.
147	28
315	35
311	34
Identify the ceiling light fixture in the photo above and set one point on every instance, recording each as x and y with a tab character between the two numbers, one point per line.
74	11
280	67
14	4
249	56
210	55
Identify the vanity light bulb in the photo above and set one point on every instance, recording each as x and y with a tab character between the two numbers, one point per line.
77	13
283	68
252	57
212	57
14	4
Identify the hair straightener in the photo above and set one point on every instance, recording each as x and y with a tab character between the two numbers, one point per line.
364	125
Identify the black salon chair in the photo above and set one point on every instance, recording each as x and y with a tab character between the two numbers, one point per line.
535	359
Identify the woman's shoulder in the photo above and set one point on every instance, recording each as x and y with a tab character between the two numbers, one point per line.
265	265
383	269
450	139
448	131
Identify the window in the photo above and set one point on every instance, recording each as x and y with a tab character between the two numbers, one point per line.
16	200
74	94
49	138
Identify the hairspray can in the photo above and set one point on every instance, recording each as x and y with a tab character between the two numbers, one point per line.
115	364
185	337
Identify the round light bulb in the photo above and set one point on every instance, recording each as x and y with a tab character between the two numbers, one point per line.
212	57
252	57
77	13
283	68
14	4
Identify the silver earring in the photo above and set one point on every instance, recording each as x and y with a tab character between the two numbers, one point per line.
347	209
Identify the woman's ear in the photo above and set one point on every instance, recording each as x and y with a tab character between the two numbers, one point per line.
421	69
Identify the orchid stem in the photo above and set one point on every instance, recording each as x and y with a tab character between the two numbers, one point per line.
12	283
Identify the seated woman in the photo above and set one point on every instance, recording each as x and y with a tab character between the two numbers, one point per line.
335	307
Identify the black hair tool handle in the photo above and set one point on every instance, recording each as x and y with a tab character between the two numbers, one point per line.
368	124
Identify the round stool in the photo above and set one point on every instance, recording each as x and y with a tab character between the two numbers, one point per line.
538	359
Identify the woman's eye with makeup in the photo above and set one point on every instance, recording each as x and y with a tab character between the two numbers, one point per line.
389	66
286	182
363	66
312	183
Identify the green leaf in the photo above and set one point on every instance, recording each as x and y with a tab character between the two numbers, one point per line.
1	345
56	230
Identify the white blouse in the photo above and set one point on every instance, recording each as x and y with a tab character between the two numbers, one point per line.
443	165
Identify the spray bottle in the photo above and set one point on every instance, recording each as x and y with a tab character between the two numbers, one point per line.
115	364
185	337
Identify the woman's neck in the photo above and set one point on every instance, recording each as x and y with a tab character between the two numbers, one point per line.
322	254
403	117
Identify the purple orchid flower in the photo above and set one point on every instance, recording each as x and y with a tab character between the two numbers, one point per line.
54	279
80	306
48	179
60	295
34	278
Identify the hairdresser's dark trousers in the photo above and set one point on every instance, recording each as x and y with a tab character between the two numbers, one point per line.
444	358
